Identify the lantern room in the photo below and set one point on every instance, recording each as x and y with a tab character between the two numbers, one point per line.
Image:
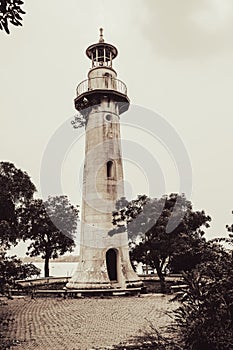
101	54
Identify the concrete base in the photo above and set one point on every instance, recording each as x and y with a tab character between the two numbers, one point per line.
78	293
93	275
104	292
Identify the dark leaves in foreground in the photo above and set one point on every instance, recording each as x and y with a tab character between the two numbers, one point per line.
205	318
10	12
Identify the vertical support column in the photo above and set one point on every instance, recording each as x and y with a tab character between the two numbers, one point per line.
96	56
110	59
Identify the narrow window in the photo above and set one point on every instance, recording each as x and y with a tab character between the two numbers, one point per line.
111	261
107	78
110	169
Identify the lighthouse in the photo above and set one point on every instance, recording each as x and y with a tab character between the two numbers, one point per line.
101	99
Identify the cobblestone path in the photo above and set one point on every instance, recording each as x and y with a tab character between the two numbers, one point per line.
81	324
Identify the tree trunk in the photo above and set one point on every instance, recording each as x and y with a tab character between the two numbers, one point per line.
46	267
162	281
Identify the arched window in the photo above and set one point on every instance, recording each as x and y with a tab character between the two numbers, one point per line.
110	169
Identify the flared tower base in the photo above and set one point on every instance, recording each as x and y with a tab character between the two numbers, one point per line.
110	269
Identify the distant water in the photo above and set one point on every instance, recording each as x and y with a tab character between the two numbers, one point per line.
58	269
66	269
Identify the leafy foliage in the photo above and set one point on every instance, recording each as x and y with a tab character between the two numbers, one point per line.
12	269
51	226
196	252
230	229
16	189
10	11
227	240
167	228
205	320
79	120
230	239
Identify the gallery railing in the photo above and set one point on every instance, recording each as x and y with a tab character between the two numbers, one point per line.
101	83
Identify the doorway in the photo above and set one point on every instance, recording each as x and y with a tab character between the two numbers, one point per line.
111	261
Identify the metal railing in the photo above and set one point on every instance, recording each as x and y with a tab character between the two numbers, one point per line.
101	83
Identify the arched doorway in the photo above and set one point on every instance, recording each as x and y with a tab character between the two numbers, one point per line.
111	261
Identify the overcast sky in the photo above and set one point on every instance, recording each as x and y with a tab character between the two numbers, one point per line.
176	58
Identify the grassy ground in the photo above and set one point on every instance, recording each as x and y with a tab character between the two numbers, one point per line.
81	324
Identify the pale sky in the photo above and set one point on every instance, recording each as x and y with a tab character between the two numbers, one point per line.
176	58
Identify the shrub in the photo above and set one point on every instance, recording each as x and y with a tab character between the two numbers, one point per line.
12	269
205	318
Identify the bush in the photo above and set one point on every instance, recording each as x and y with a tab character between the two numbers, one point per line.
205	318
12	269
204	321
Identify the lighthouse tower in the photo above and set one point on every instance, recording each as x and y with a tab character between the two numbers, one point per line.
101	99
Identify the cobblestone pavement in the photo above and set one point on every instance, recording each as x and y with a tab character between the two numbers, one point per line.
81	324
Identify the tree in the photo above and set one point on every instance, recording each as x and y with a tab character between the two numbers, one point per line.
12	269
230	229
167	227
230	239
51	226
16	190
227	240
195	252
10	11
